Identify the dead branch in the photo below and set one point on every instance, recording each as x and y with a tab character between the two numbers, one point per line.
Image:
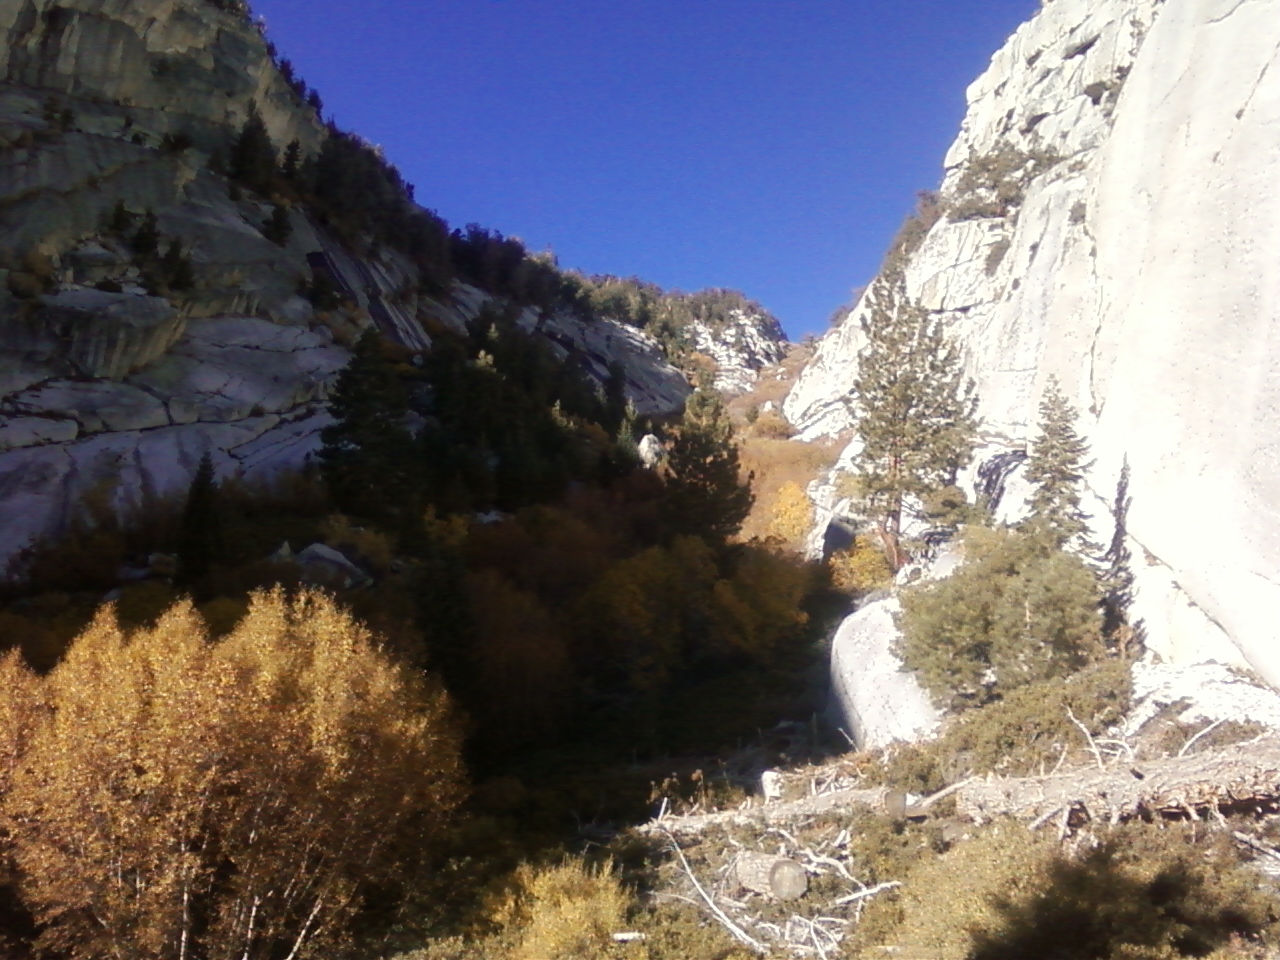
1241	773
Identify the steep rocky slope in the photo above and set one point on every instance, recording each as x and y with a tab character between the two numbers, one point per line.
1111	216
111	108
742	344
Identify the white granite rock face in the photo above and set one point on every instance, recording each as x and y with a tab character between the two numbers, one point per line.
1133	255
741	348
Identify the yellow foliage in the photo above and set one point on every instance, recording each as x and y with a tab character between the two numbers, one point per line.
570	911
374	548
860	569
450	531
760	605
792	514
224	799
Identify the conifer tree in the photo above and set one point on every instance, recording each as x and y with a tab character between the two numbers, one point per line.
253	155
1056	466
705	493
914	411
369	459
200	537
278	228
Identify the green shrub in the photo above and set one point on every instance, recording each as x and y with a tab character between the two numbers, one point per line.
1018	611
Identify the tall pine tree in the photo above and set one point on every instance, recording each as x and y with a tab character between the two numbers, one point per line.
369	460
1056	467
200	538
705	495
914	411
253	155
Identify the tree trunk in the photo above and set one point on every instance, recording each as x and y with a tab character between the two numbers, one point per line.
1243	774
771	876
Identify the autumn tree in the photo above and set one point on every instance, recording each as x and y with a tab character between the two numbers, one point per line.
228	800
792	515
706	495
1056	467
913	410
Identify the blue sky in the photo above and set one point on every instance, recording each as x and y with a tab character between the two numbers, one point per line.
768	146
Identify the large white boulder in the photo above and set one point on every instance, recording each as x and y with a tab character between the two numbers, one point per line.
1136	261
878	702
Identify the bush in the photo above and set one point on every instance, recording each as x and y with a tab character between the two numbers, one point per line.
860	569
229	799
1028	732
1143	892
792	514
1018	611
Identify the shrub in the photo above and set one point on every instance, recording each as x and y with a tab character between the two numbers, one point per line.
994	184
773	426
792	514
229	799
1017	611
1144	892
1030	731
860	569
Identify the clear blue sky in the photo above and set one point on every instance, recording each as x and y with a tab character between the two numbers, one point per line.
764	145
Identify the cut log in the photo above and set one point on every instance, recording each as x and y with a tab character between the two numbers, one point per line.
1238	775
771	876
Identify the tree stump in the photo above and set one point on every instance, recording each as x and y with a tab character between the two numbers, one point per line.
771	876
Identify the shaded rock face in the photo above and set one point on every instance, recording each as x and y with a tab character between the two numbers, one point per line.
1112	217
106	377
742	347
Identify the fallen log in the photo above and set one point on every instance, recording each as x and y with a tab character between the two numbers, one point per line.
1241	774
771	876
879	799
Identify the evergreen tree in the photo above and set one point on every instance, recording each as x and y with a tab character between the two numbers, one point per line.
705	493
278	228
914	411
253	155
178	273
292	160
1056	467
200	536
146	242
369	459
615	398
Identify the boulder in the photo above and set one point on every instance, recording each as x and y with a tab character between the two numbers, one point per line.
875	700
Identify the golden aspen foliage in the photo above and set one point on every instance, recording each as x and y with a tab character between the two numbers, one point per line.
228	800
860	569
792	514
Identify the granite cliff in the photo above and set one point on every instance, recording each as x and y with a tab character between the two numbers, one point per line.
118	116
1110	215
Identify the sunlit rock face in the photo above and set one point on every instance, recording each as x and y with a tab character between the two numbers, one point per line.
1113	218
103	385
741	347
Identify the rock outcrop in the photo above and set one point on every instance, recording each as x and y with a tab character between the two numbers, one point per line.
1111	216
114	111
742	345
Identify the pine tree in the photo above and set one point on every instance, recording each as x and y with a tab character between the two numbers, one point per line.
146	242
292	160
705	493
200	539
914	411
278	228
369	459
1056	467
253	155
